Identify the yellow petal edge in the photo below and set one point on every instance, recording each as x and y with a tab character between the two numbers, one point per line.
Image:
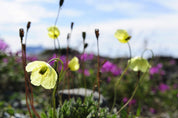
42	74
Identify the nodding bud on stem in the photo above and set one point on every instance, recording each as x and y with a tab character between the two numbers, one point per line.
85	45
61	3
28	25
84	35
21	33
97	33
68	36
72	24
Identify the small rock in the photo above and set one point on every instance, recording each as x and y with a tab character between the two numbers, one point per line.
80	92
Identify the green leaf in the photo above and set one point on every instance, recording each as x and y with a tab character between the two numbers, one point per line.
123	114
10	111
43	115
138	110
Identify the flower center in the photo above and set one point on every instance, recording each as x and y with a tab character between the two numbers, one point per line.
43	70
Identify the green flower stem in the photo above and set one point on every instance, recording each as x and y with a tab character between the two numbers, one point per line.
57	83
59	8
137	85
117	83
83	70
130	51
54	101
147	50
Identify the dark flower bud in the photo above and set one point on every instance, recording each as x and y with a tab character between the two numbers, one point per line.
21	32
72	24
61	3
84	35
128	38
85	45
68	36
28	25
97	33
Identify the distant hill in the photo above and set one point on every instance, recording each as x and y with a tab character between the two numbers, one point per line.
35	50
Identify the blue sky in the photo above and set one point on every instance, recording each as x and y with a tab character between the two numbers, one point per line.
151	23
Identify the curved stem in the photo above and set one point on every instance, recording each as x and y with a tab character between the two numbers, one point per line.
137	85
147	50
117	83
56	86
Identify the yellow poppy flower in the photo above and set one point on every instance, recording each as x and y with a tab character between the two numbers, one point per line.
53	32
74	64
139	64
122	36
42	74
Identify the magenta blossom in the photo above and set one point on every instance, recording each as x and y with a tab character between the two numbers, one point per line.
53	57
85	57
32	58
172	62
153	90
106	66
108	79
86	72
152	110
110	67
132	102
163	87
175	86
115	70
63	58
157	69
3	45
5	60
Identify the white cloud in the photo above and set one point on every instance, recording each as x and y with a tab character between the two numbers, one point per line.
18	12
71	13
157	29
171	4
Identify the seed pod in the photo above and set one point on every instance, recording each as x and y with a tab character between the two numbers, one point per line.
28	25
61	3
68	36
21	33
72	24
86	45
97	33
84	35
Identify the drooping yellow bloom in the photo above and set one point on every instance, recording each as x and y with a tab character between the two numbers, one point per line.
53	32
42	74
74	64
122	36
139	64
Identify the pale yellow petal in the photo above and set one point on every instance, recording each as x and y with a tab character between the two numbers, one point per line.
35	64
53	32
74	64
139	64
36	77
122	36
49	78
